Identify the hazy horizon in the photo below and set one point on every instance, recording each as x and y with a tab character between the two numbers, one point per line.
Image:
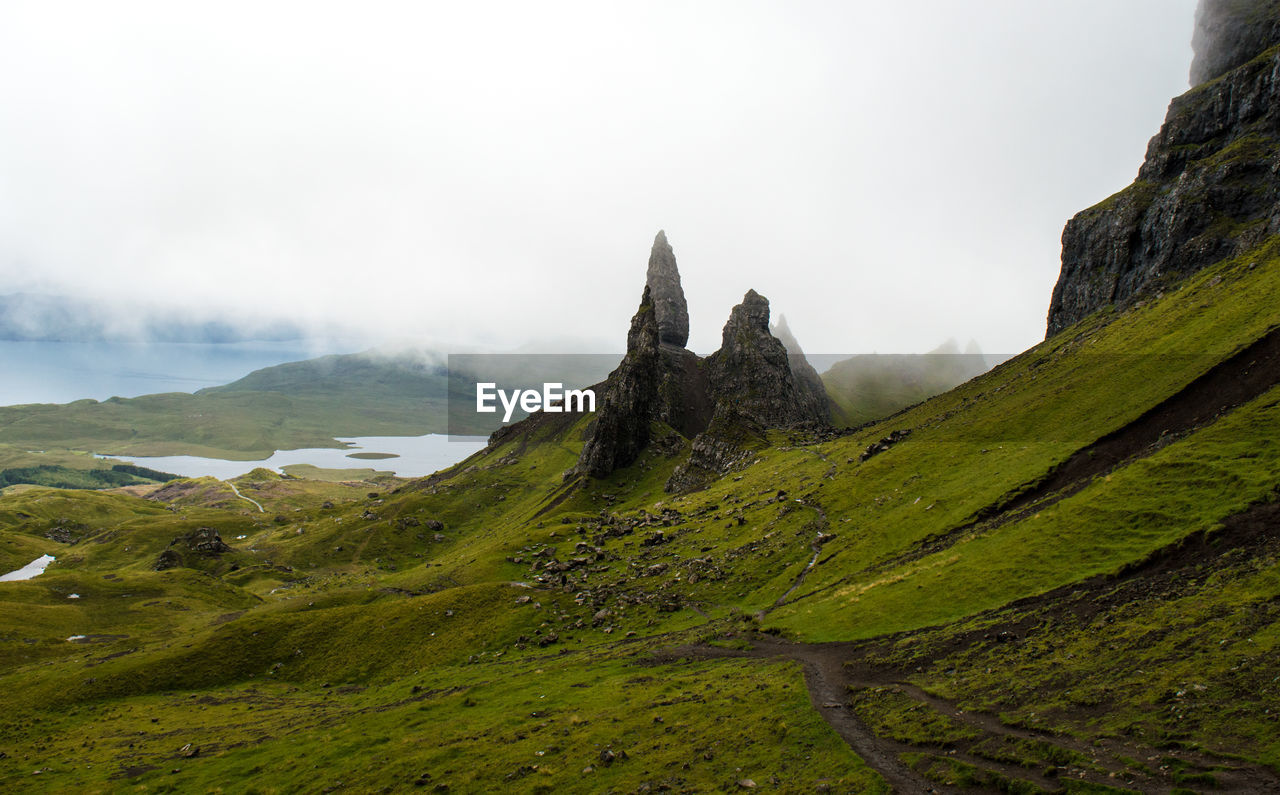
889	176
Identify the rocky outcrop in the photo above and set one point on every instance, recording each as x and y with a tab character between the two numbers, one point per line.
752	372
1208	189
806	377
202	542
728	442
722	403
1230	33
663	280
621	427
754	388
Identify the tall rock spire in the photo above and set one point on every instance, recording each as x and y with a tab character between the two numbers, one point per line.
663	280
621	428
722	404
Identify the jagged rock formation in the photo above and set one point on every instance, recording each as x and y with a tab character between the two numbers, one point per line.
806	377
729	440
754	389
1229	33
752	371
1208	188
621	428
663	280
722	403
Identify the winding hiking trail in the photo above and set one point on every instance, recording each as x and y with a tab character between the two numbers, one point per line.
246	499
825	678
833	670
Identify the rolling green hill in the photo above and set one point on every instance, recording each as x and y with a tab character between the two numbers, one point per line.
301	404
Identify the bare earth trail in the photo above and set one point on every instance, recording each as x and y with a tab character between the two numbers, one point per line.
828	693
246	499
833	670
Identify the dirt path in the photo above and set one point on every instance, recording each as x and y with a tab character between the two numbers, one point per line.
828	694
833	670
246	499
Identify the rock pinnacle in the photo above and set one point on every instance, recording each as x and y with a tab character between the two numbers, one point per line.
663	280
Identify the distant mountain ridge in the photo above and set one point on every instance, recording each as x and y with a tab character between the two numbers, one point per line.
872	386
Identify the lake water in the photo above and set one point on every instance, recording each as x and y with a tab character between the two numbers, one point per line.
415	457
60	372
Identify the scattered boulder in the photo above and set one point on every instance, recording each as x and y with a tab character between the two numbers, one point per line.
654	539
876	448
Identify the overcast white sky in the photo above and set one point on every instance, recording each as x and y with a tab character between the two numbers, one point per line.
888	174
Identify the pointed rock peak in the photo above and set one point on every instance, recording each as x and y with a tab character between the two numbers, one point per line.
663	280
752	314
973	349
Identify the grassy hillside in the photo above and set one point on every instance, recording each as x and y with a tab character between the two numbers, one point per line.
294	405
1061	579
304	404
872	386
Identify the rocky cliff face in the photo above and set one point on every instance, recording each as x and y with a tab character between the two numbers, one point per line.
1208	189
1230	33
753	387
663	280
721	402
621	428
752	370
